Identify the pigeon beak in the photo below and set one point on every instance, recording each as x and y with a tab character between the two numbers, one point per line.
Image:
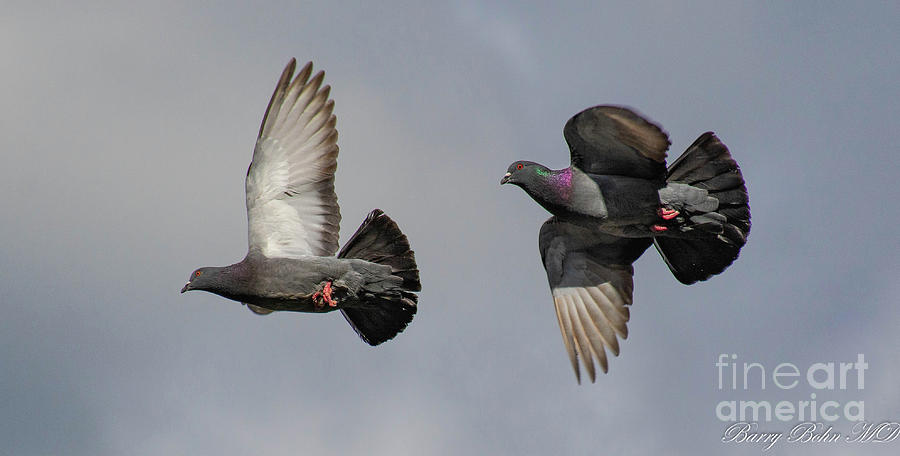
505	178
187	287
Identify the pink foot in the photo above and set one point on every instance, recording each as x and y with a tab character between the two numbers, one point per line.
324	297
668	214
658	228
327	292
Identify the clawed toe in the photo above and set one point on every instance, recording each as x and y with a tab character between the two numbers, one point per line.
668	214
327	294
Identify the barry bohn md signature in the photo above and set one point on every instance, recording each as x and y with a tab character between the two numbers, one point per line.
812	432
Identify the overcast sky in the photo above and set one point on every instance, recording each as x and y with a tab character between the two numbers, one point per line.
126	130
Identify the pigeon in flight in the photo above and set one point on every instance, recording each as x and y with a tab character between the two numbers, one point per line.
294	218
617	198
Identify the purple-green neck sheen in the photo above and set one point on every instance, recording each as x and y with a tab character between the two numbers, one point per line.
551	188
561	181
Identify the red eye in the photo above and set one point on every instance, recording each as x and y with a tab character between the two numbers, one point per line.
519	166
198	273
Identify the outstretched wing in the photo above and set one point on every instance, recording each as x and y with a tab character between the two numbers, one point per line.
291	206
614	140
590	277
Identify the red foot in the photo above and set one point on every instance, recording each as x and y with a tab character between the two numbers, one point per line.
658	228
325	297
668	214
327	293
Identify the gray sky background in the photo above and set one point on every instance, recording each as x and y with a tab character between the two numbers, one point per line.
126	130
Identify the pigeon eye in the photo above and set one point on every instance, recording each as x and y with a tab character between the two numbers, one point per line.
519	166
198	273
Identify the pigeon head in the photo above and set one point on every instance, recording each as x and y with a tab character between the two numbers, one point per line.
205	279
552	189
525	173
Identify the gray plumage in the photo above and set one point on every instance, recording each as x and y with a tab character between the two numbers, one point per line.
293	224
616	199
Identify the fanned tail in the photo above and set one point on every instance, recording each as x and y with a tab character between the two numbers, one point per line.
379	240
708	187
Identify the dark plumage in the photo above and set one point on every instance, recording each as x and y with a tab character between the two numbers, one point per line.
616	199
294	220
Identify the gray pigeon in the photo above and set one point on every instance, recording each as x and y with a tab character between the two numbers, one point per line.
616	199
294	219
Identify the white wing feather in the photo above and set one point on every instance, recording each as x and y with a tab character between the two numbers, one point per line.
590	319
292	209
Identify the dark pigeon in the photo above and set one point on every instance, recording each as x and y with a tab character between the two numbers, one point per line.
294	220
616	199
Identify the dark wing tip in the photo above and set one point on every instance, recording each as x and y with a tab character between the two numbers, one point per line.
609	139
280	89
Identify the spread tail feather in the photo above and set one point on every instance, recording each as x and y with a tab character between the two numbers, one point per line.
710	240
384	315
